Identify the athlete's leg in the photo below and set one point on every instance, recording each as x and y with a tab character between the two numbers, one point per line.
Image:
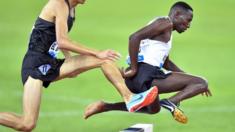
187	85
31	103
175	82
101	106
81	63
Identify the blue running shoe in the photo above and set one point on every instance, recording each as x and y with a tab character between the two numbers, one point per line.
177	114
143	99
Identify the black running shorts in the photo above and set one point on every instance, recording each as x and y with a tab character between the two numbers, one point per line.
142	81
40	66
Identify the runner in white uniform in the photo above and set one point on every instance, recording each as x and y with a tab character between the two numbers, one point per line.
149	50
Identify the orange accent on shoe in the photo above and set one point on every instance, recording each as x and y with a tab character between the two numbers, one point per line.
180	116
148	100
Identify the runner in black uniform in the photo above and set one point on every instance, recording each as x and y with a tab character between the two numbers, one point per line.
41	66
40	61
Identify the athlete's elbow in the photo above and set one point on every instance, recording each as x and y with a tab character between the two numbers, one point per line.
61	46
134	38
62	43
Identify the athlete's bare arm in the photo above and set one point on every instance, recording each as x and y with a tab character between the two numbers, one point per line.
150	31
61	15
58	10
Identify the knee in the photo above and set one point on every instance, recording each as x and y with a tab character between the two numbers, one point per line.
108	62
202	83
27	126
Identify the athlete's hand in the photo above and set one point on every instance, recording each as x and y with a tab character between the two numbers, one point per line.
128	72
109	54
207	93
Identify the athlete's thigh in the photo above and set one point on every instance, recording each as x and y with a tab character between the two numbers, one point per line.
32	98
78	64
174	82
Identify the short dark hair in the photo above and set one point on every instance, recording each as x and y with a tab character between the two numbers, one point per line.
182	5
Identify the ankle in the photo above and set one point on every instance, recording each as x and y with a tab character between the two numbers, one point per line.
127	98
174	101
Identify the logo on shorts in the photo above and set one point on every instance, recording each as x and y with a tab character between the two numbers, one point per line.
44	68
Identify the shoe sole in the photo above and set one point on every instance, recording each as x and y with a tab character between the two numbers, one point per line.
147	101
180	116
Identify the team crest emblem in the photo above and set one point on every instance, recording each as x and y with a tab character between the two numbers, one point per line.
44	68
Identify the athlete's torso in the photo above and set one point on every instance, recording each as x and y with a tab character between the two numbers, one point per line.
43	36
153	51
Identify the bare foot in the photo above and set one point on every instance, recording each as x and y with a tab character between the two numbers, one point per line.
94	108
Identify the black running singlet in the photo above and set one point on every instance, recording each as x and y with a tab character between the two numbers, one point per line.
43	34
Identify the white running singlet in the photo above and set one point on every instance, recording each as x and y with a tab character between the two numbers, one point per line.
153	52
